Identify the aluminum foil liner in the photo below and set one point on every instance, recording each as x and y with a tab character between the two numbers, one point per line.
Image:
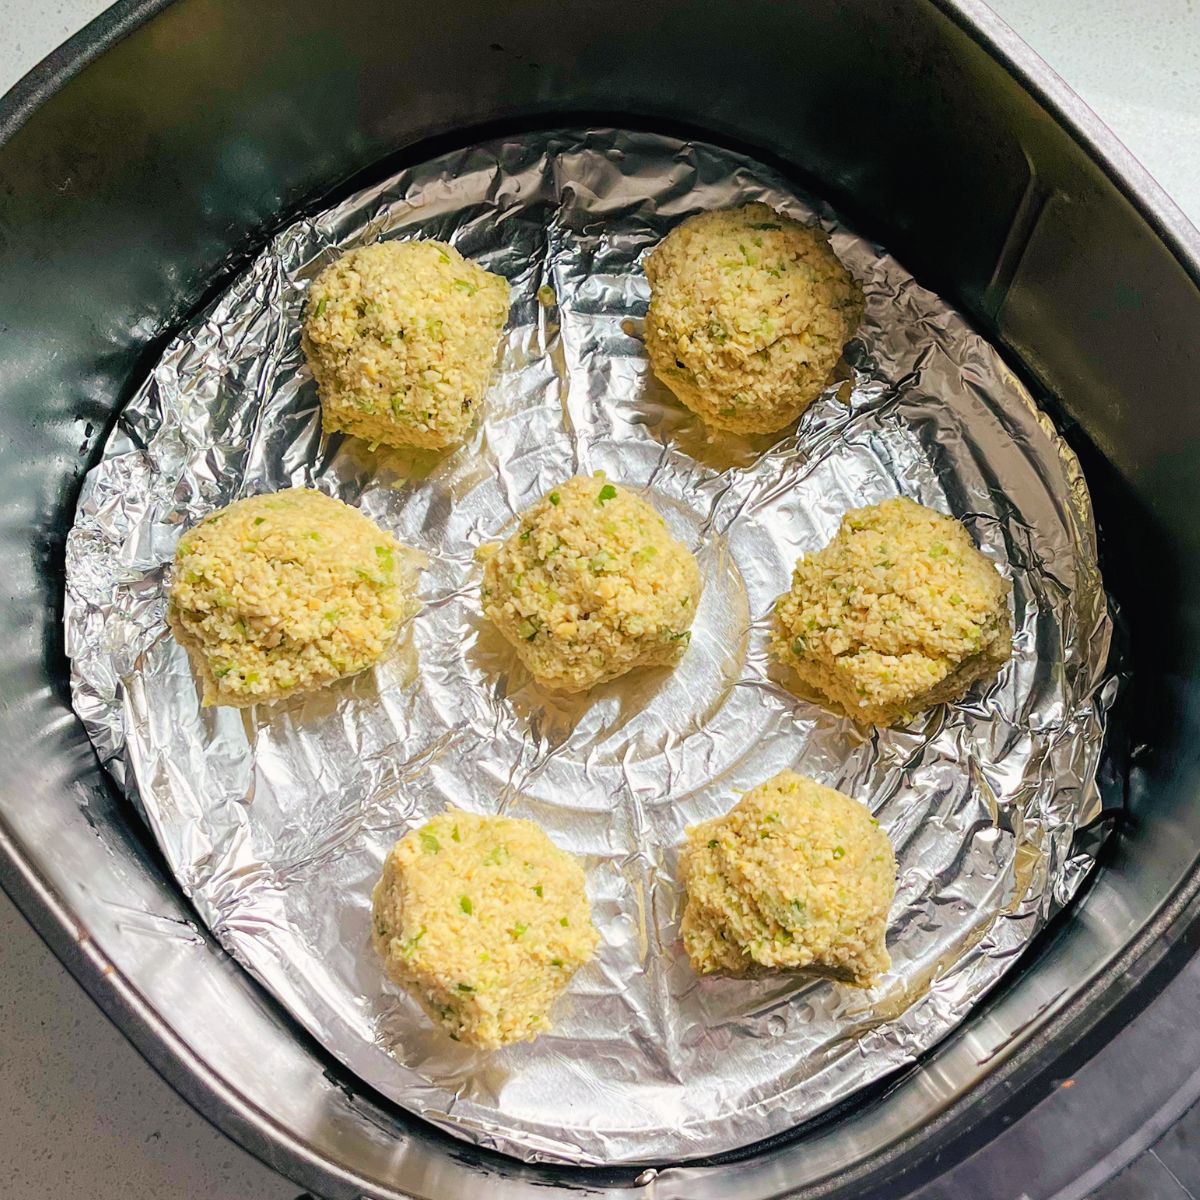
276	821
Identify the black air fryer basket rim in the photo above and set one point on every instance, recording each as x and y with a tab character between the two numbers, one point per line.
1074	1034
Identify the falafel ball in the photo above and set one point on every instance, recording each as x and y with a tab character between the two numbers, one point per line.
795	876
401	338
591	586
484	921
284	593
898	613
749	312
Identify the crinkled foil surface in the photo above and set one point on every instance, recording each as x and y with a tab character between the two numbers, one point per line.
276	821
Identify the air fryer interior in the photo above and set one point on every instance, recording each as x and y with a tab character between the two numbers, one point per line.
132	192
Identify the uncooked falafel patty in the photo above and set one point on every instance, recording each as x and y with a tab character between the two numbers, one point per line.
794	876
284	593
749	312
484	921
401	338
591	586
898	613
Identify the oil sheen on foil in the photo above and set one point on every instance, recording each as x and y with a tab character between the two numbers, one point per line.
276	821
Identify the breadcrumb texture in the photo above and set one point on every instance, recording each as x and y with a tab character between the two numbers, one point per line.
898	613
795	876
401	337
591	586
285	593
749	311
484	921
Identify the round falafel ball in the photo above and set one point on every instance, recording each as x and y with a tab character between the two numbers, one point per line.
749	312
401	338
484	921
898	613
284	593
795	876
591	586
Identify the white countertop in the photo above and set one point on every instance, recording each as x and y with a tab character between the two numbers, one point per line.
81	1115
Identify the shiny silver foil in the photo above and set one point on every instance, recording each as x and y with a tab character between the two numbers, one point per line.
276	821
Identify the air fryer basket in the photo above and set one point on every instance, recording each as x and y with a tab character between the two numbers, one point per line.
145	161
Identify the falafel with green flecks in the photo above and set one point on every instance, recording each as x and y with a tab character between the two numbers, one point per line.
749	312
401	338
795	876
483	920
284	593
591	586
898	613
